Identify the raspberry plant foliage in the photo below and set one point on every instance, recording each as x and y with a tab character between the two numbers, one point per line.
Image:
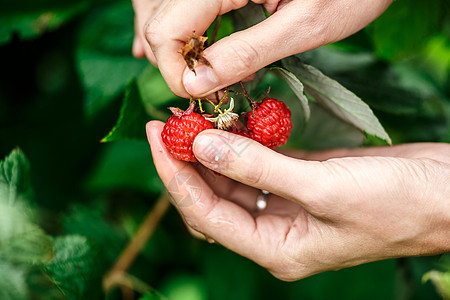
83	197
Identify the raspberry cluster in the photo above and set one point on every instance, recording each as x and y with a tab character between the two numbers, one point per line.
269	123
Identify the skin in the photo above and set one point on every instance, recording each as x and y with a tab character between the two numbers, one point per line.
336	209
163	27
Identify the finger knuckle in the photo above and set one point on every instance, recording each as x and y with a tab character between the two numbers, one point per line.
245	57
152	32
238	3
256	172
192	223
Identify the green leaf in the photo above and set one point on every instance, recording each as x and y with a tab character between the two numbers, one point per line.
297	87
73	265
12	282
91	221
104	57
405	27
185	287
325	131
20	240
441	281
29	23
154	92
132	118
125	165
336	98
249	15
152	296
14	178
225	27
440	278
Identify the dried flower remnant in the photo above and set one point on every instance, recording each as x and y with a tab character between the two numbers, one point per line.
192	52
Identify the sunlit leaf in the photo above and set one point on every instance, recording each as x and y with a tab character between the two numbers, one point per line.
297	87
12	282
21	241
155	94
336	98
441	280
73	265
405	27
14	177
185	287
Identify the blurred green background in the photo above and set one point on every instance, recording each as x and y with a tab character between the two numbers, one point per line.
67	78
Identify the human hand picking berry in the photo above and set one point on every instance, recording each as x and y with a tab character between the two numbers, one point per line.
325	211
268	122
163	26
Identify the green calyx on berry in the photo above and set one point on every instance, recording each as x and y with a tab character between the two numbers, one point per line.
225	119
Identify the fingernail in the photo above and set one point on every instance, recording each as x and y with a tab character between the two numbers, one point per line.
209	148
202	83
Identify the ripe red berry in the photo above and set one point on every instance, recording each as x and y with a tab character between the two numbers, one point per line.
270	124
180	131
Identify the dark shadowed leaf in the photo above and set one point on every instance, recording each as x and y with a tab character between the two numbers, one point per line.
125	165
132	118
326	131
336	98
104	55
248	16
28	22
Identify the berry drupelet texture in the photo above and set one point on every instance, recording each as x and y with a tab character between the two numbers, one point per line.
270	123
180	131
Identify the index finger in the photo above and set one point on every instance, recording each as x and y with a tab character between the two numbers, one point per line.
170	28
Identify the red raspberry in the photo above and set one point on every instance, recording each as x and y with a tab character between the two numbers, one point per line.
270	124
180	131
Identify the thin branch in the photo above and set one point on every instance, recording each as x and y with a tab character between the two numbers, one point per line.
117	273
216	30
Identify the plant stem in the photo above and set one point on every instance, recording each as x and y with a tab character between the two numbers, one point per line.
216	30
250	101
117	273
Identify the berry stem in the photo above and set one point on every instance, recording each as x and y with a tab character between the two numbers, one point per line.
215	30
222	99
200	105
250	101
267	94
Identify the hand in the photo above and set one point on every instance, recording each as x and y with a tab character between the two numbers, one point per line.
295	26
323	213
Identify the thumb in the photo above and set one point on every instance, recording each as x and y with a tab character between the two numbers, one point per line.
241	54
296	26
250	163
